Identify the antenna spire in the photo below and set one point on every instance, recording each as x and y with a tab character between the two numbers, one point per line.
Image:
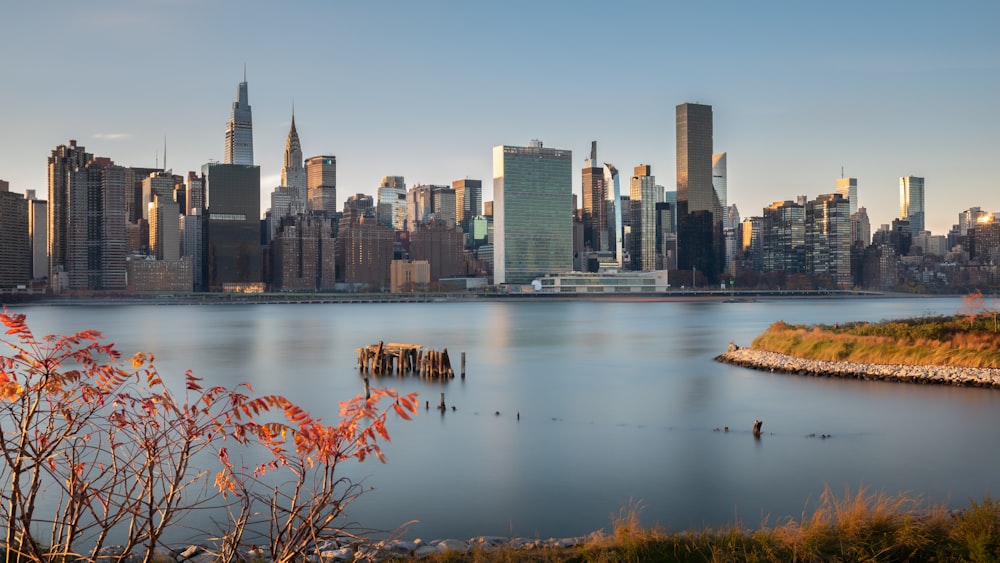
244	72
164	152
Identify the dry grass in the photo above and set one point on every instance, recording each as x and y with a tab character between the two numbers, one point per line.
860	525
949	341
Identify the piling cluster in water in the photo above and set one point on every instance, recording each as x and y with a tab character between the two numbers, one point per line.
402	359
942	375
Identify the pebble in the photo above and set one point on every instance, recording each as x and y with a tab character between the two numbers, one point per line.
941	375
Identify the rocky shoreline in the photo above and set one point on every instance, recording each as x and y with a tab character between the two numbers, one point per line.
939	375
331	551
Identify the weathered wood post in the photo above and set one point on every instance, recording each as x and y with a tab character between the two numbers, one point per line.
756	427
463	365
368	389
441	406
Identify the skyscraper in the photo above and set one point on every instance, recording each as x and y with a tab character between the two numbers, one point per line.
695	190
468	201
232	200
613	205
848	187
911	202
37	235
391	210
321	183
699	208
828	239
15	253
63	161
532	212
95	231
239	129
642	194
595	219
720	179
293	174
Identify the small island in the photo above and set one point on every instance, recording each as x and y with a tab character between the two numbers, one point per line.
963	349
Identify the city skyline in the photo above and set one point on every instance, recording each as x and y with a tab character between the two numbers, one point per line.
798	92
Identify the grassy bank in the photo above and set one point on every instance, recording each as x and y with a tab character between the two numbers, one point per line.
859	526
961	340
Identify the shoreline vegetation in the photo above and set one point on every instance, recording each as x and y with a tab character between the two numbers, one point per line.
962	349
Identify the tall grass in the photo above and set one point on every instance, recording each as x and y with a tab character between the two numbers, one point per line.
947	341
859	525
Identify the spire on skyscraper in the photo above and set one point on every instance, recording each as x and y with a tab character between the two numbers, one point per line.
293	174
239	130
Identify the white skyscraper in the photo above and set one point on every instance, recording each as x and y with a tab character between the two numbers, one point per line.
239	130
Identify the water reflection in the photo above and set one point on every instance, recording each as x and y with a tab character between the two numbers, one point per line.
617	401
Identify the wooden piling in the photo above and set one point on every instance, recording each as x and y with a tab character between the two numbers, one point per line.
463	365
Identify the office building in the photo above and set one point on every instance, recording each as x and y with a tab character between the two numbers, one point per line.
594	211
719	178
468	201
861	228
38	235
783	237
359	205
63	160
419	206
911	202
293	172
157	184
848	187
969	218
232	225
444	205
642	195
192	244
321	183
164	229
699	209
613	211
15	251
194	195
731	236
239	129
391	210
532	212
828	239
95	227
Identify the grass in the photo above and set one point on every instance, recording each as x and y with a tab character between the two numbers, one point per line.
860	525
961	341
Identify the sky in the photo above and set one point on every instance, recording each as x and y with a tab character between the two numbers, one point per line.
424	90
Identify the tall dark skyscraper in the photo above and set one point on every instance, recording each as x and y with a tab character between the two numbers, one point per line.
239	129
595	210
63	161
699	210
232	199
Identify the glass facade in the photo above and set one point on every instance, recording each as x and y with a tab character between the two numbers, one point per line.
911	202
533	212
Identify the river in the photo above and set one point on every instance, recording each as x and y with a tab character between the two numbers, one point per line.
618	401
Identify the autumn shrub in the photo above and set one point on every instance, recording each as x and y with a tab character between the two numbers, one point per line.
96	451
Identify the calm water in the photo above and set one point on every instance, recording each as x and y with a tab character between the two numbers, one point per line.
618	401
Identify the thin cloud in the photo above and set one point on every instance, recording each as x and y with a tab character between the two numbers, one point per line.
113	136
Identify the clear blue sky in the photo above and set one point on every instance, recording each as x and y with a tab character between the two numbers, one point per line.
425	89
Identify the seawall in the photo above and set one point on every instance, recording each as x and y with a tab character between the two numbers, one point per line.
939	375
